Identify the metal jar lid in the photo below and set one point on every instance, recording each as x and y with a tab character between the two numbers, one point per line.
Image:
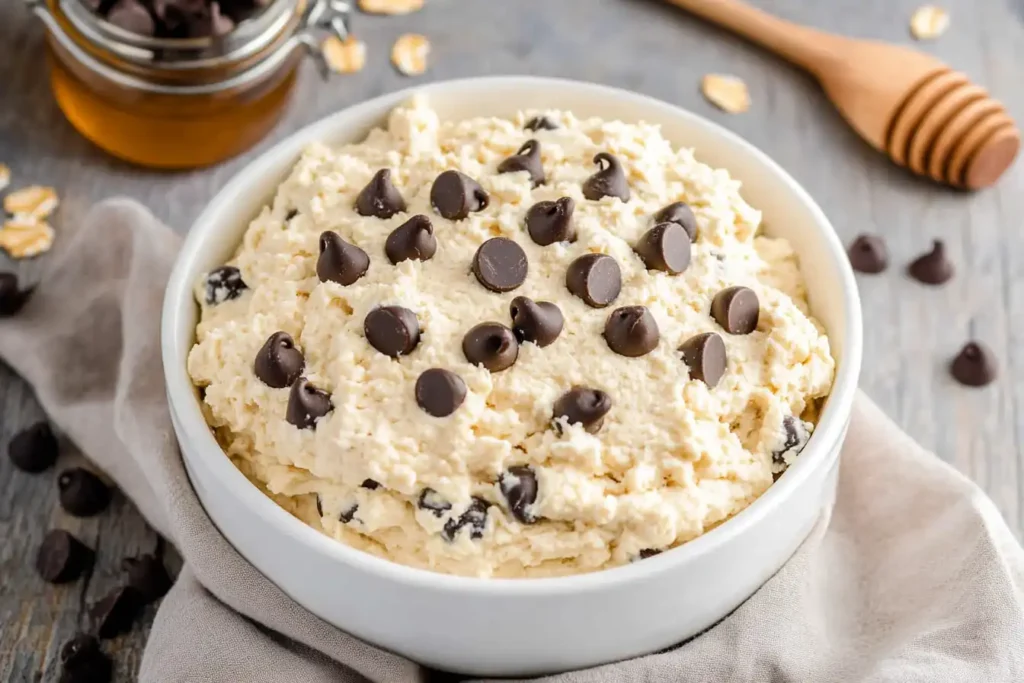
196	66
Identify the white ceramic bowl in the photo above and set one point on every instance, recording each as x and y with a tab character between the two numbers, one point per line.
505	627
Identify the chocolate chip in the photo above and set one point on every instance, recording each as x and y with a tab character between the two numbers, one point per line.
975	365
704	355
319	506
455	195
500	264
217	25
307	404
609	181
665	247
347	515
392	330
116	613
519	486
595	278
491	345
411	241
934	267
681	214
82	661
736	309
649	552
82	493
11	297
34	449
432	500
62	557
224	284
526	159
539	322
340	261
380	197
550	222
131	16
440	392
148	576
868	254
540	123
631	331
795	437
370	484
278	363
292	213
474	517
584	406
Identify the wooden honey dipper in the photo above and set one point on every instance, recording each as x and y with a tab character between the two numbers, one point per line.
910	105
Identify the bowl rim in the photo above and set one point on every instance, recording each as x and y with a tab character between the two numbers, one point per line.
190	425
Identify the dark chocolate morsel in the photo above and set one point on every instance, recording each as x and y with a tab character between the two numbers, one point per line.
116	613
795	437
82	493
500	264
439	392
380	198
474	517
736	309
455	195
975	365
278	363
82	661
370	484
933	267
526	159
665	247
224	284
307	404
148	576
34	449
631	331
348	514
868	254
704	355
609	181
491	345
519	486
340	261
681	214
540	123
595	278
550	222
62	557
411	241
584	406
131	16
649	552
431	500
539	322
392	330
11	297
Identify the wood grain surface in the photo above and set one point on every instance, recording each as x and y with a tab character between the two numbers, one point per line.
910	330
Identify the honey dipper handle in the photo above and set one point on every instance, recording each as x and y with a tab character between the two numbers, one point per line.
805	47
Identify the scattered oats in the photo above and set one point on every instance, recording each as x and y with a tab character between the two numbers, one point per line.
344	56
390	6
726	92
409	54
25	236
35	201
929	22
5	177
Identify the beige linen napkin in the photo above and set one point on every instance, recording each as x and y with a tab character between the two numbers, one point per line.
913	577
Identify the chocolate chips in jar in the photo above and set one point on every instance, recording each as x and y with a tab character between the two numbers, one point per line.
177	18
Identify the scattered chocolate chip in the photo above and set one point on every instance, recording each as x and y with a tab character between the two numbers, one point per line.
649	552
584	406
455	195
131	16
292	213
370	484
62	557
550	222
224	284
540	123
500	264
392	330
380	197
491	345
868	254
595	278
432	500
319	506
82	661
116	613
704	355
609	181
526	159
665	247
934	267
736	309
439	392
631	331
795	437
148	576
539	322
475	517
278	363
519	486
411	241
975	365
34	449
681	214
82	493
216	23
347	515
340	261
307	404
11	297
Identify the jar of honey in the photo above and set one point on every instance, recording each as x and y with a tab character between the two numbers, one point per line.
175	103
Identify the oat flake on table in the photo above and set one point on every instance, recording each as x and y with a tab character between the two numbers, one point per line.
728	93
929	22
344	56
390	6
35	201
25	236
409	54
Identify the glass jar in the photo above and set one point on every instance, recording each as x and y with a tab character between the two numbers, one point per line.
181	103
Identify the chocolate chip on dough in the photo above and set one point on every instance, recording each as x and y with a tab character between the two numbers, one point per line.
583	406
868	254
933	267
82	493
519	486
455	195
609	181
340	261
540	123
62	557
665	247
370	484
648	552
224	284
380	198
736	309
526	159
549	222
681	214
411	241
975	365
500	264
631	331
539	322
704	355
392	330
440	392
34	449
595	278
278	363
431	500
491	345
474	517
307	404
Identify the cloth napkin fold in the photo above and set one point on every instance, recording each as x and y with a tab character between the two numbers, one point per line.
913	576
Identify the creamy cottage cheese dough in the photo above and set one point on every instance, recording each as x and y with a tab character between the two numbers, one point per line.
672	457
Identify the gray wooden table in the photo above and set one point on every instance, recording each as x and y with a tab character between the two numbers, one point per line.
910	330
